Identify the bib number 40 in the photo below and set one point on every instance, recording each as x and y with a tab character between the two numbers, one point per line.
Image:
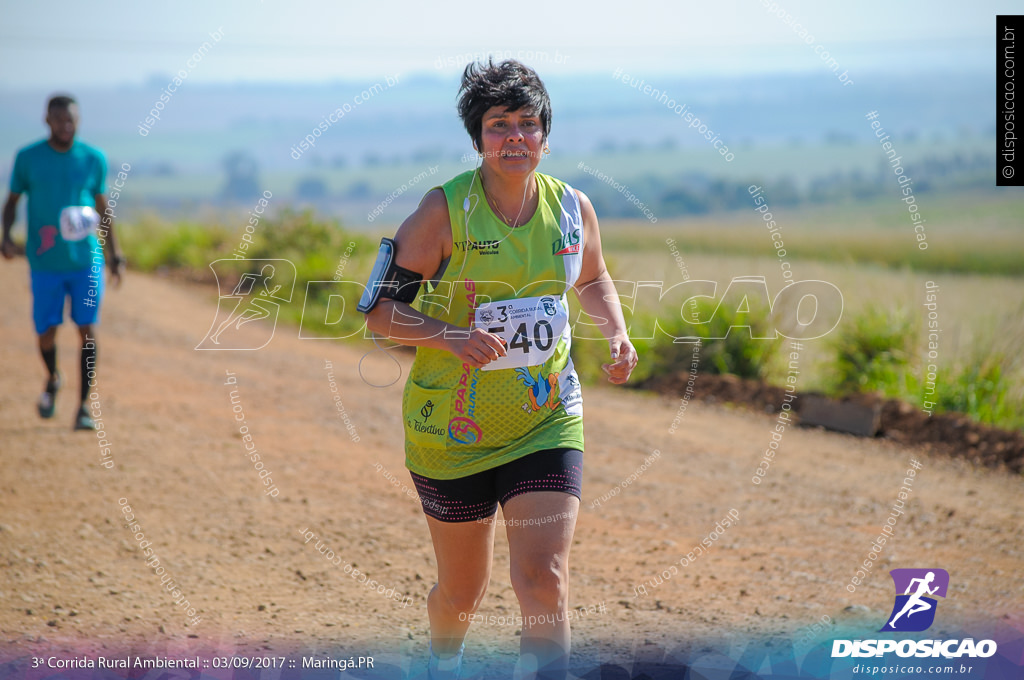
543	336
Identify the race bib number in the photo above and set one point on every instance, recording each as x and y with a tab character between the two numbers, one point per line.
77	222
529	326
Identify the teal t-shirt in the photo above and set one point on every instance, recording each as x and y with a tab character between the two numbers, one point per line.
61	188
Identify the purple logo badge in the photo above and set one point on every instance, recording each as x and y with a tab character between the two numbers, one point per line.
914	609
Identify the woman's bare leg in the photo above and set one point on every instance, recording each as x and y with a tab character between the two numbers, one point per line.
540	528
464	551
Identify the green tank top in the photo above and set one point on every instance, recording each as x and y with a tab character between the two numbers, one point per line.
460	420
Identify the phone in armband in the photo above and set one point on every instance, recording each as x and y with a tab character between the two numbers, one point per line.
389	280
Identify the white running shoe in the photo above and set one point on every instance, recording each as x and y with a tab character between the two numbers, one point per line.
445	669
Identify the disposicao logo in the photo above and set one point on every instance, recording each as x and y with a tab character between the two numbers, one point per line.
912	612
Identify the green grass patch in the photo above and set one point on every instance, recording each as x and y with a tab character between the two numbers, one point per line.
968	234
724	348
317	249
879	351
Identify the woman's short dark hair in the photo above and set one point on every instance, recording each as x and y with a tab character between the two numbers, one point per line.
511	84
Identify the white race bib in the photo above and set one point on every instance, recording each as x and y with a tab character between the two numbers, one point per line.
531	328
77	222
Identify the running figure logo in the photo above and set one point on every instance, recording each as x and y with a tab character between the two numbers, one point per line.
914	611
256	297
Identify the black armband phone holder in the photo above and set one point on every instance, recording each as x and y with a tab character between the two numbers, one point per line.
388	280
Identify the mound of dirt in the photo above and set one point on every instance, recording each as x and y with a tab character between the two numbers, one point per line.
952	434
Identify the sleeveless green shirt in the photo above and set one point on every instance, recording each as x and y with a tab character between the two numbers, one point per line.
461	420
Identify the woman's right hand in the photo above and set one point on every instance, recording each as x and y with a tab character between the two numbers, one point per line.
475	347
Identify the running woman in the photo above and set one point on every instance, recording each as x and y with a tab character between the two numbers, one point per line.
65	180
492	408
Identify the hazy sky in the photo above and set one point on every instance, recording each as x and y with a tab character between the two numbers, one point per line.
66	44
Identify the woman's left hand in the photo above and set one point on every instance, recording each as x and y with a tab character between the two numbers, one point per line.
624	360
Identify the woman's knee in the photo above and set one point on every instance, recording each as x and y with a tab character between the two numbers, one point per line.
542	580
463	597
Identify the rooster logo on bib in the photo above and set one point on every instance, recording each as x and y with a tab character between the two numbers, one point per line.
541	389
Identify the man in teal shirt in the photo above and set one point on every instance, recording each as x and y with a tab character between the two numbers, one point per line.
68	225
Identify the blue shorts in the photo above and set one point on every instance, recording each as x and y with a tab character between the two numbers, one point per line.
49	290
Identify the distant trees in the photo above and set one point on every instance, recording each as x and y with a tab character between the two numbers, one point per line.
699	194
311	189
243	177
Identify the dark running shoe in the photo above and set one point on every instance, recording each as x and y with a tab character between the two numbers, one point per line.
47	403
83	421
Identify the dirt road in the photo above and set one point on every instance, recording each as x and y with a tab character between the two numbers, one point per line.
75	578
